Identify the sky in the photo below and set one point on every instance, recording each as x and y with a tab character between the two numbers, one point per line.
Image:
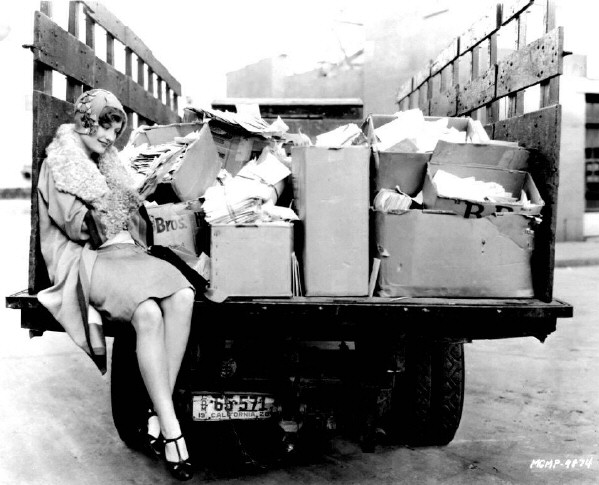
199	41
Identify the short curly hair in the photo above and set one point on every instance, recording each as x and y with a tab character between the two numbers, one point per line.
110	115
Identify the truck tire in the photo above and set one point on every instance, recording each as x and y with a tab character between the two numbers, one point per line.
427	399
128	395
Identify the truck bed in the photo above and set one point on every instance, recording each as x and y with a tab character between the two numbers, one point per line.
325	318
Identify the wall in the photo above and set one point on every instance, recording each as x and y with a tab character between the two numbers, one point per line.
263	79
571	193
345	83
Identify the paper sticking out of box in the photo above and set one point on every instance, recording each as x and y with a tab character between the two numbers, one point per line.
411	132
267	169
158	170
342	136
199	168
251	109
452	186
466	198
387	200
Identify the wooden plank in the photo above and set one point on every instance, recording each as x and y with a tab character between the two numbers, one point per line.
109	49
168	95
422	76
445	103
474	63
477	93
74	90
124	34
131	94
159	89
150	81
46	8
513	8
405	89
61	51
48	114
538	61
516	101
447	56
57	49
42	77
480	30
540	132
141	72
128	62
90	33
423	101
404	104
492	109
550	90
74	18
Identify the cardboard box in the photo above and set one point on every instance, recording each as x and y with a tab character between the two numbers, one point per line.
394	167
491	154
428	254
513	181
199	168
252	260
235	150
331	188
158	134
406	170
174	225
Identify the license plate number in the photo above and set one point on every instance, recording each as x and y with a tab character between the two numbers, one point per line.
209	407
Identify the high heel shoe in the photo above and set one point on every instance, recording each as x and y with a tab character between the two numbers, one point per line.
152	445
182	469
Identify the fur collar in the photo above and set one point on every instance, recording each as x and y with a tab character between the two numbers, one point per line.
107	186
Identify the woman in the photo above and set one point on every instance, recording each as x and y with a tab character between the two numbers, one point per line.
92	242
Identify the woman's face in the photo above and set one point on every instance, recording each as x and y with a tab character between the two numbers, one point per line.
104	137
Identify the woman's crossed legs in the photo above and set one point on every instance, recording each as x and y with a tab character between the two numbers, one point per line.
162	329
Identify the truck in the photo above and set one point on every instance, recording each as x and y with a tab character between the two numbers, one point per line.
306	367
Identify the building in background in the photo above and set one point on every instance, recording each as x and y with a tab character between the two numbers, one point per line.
400	42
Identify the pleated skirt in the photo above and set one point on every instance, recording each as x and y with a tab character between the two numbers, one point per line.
124	276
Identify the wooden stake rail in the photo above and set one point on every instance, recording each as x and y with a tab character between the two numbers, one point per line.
437	91
58	50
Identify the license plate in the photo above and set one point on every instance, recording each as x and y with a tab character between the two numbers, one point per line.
211	407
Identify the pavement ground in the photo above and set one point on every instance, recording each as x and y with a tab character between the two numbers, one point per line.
525	402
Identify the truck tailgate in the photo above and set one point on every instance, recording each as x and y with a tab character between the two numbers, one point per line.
347	318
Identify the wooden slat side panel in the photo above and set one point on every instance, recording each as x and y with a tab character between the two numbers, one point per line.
477	92
513	8
48	114
405	90
422	76
67	55
61	51
444	104
538	61
480	30
540	132
447	56
124	34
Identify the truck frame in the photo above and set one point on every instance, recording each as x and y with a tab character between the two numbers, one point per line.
403	357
